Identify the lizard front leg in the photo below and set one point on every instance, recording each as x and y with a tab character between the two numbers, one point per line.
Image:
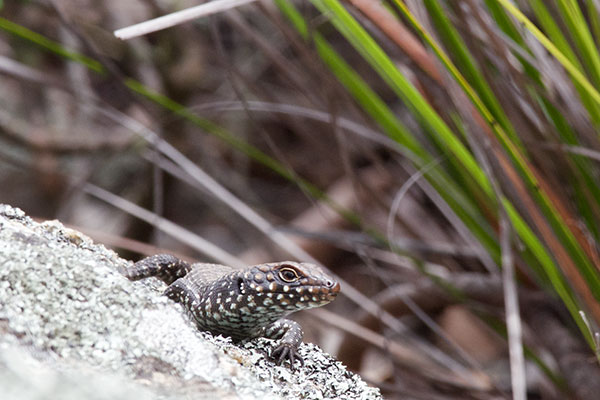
291	335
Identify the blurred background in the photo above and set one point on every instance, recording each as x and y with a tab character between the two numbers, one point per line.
440	157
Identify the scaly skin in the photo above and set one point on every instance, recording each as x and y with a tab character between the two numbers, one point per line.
244	303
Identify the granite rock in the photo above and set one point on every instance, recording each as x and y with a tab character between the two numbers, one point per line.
72	327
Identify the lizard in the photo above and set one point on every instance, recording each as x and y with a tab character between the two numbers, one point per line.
244	303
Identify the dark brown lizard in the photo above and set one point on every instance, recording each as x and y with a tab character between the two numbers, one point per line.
244	303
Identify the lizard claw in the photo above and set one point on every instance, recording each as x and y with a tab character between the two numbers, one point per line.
285	351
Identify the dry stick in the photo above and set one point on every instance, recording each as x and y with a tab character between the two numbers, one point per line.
126	243
304	112
19	131
320	217
511	306
218	191
284	65
255	219
401	193
501	48
563	94
573	357
564	261
511	302
402	354
209	184
431	296
444	360
27	73
403	37
311	224
179	17
165	225
510	294
398	326
417	311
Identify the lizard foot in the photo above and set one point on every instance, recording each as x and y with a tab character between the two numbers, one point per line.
285	351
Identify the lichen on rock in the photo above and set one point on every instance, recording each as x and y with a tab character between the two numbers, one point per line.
65	308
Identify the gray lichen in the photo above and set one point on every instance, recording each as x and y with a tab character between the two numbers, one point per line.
65	308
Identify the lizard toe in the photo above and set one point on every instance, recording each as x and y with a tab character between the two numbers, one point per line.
286	352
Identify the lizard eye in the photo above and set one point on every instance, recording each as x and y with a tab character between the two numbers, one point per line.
288	275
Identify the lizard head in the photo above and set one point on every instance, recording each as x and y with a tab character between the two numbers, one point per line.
289	286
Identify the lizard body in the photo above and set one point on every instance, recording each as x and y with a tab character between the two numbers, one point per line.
244	303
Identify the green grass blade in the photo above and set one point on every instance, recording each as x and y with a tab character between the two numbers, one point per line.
48	44
553	31
592	13
582	37
175	107
560	227
375	56
373	53
507	26
551	269
584	182
566	62
468	66
379	111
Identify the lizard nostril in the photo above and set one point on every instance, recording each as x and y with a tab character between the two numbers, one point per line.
333	286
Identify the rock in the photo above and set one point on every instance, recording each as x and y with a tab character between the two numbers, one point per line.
72	327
